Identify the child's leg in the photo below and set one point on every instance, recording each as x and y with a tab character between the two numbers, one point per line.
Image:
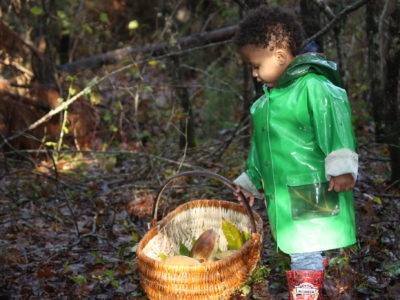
306	276
307	261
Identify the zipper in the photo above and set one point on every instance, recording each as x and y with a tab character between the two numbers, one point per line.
268	94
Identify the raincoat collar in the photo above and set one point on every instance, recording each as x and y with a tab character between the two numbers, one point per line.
309	63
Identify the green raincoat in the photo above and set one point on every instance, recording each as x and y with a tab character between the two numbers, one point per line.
296	127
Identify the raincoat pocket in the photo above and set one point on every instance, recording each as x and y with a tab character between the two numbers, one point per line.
310	198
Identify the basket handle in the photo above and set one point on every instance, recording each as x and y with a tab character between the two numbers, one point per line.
220	178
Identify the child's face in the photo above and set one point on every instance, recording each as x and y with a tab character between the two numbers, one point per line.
267	65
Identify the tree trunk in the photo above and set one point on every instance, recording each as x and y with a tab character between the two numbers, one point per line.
383	68
373	9
187	137
311	20
248	96
391	88
46	32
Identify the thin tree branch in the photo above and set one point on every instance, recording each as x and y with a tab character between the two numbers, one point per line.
333	22
325	8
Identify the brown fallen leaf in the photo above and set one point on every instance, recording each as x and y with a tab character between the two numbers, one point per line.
261	291
394	290
13	256
141	206
45	273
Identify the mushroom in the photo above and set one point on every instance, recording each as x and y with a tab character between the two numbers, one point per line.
205	246
181	260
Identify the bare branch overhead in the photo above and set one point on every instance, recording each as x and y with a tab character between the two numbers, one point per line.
339	16
114	56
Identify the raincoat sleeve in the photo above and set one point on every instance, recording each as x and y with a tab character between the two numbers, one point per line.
331	119
250	179
245	182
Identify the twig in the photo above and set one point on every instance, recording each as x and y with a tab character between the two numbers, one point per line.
63	126
339	16
17	66
225	144
66	198
374	158
325	8
214	78
46	214
13	148
391	185
110	153
66	184
210	87
56	175
186	146
389	196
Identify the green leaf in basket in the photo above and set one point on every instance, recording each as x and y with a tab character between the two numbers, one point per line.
183	250
233	235
245	236
245	290
162	256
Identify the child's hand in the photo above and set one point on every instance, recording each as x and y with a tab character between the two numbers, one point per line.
246	193
341	183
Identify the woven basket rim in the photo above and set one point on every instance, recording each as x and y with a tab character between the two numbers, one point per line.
205	266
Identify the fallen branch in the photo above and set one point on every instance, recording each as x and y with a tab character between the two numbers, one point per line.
96	61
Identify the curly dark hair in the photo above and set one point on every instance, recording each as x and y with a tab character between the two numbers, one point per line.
270	27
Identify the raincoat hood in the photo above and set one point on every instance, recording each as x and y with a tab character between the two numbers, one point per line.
307	63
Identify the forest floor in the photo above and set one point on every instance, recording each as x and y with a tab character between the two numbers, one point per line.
73	235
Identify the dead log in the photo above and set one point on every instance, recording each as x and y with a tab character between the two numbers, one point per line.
114	56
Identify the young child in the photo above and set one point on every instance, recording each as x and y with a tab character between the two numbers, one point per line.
302	155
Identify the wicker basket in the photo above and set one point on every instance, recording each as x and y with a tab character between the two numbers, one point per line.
209	280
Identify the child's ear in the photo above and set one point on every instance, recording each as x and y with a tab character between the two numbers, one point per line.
281	57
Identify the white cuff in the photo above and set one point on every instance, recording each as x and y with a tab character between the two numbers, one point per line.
342	161
244	181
